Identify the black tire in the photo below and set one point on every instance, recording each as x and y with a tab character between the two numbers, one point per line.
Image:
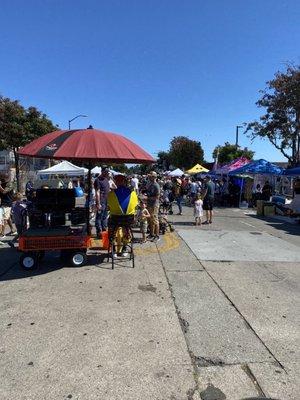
29	261
77	258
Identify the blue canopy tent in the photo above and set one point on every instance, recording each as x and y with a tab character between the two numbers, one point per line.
292	172
257	167
261	167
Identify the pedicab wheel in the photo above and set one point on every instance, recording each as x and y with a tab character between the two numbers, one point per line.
78	258
29	261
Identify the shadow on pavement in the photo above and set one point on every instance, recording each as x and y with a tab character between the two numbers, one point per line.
11	270
183	223
291	229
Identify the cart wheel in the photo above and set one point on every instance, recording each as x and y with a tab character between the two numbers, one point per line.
78	259
28	261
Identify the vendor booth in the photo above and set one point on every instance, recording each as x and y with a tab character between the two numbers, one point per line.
262	171
50	229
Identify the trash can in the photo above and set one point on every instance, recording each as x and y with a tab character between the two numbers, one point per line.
269	210
260	207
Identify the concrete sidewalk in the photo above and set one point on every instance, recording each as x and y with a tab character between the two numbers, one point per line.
92	333
237	295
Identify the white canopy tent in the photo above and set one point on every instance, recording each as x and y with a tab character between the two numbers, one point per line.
64	168
96	170
176	172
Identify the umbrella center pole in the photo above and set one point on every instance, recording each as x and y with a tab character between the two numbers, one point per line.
88	225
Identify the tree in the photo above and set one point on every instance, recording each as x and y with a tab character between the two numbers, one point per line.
19	126
184	152
122	168
229	152
163	160
281	122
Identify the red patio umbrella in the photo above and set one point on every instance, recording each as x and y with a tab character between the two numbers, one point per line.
87	144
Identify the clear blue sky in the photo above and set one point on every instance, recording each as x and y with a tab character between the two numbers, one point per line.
150	69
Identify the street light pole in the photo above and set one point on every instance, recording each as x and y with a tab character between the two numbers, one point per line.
77	116
237	135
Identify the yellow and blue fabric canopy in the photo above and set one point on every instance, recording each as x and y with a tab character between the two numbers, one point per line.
122	201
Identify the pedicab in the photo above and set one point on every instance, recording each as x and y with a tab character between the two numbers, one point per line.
49	230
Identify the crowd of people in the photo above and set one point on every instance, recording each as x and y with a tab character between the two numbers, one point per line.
148	197
156	197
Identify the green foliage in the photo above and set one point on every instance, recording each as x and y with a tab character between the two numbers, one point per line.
19	126
120	168
163	160
281	122
185	152
230	152
145	168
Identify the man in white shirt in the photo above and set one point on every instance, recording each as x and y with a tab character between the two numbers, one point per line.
135	184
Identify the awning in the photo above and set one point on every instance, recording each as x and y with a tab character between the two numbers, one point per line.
196	169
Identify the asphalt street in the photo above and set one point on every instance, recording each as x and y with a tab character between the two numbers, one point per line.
209	313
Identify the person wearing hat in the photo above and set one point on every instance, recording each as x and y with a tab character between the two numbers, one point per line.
153	192
177	192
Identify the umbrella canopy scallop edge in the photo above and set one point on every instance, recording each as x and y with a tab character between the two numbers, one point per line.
87	144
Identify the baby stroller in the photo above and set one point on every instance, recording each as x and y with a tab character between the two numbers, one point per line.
166	201
164	225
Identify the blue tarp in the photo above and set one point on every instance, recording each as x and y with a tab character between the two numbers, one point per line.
292	172
261	166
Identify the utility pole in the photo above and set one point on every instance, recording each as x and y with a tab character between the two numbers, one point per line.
77	116
237	135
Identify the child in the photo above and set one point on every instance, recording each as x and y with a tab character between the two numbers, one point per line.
143	218
165	201
198	210
1	223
